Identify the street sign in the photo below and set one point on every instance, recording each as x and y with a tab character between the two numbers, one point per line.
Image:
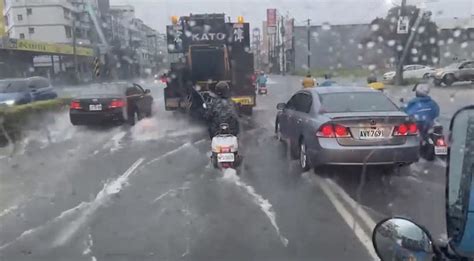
271	17
403	25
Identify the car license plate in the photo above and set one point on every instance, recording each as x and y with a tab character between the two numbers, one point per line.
225	157
367	134
441	150
95	107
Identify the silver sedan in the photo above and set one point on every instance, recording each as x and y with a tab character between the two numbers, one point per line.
346	126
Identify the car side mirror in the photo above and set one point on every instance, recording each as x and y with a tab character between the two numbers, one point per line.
460	195
147	91
402	239
281	106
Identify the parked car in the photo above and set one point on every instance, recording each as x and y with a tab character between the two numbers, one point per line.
25	90
456	72
116	102
413	71
346	126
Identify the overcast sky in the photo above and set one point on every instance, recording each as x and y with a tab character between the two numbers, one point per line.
157	13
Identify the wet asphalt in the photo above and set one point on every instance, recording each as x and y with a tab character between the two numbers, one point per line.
148	192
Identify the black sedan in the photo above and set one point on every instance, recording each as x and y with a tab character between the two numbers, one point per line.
117	103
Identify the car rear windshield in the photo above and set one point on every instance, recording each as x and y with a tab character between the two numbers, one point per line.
9	86
356	102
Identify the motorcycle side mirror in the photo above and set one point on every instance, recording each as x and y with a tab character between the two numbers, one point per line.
147	91
401	239
281	106
460	196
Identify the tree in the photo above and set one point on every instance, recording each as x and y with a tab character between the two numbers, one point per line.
424	49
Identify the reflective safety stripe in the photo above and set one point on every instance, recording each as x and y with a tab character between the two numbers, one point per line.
244	100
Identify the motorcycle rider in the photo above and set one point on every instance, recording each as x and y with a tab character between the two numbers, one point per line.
423	108
308	81
262	79
222	111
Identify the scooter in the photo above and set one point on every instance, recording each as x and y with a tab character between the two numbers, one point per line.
434	144
225	148
399	238
262	88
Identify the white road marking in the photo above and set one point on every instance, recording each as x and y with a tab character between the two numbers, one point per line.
89	243
264	204
350	221
115	142
171	192
354	205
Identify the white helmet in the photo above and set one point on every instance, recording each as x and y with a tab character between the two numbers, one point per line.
422	90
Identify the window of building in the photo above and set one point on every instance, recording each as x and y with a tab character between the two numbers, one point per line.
67	13
31	30
29	11
22	36
68	31
20	17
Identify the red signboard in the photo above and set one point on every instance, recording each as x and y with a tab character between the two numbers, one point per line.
271	17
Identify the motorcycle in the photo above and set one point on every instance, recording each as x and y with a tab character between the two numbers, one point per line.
399	238
434	144
262	88
224	147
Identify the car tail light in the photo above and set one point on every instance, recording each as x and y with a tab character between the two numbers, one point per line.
412	129
405	129
117	104
342	131
441	142
326	131
331	131
75	105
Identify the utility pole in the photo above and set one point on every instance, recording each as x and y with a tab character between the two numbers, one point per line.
399	71
74	47
309	43
283	52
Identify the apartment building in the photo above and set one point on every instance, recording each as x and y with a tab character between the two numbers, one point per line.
46	21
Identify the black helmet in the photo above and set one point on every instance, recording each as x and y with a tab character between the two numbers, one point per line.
371	79
222	89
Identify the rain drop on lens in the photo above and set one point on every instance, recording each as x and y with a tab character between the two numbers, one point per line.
391	43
